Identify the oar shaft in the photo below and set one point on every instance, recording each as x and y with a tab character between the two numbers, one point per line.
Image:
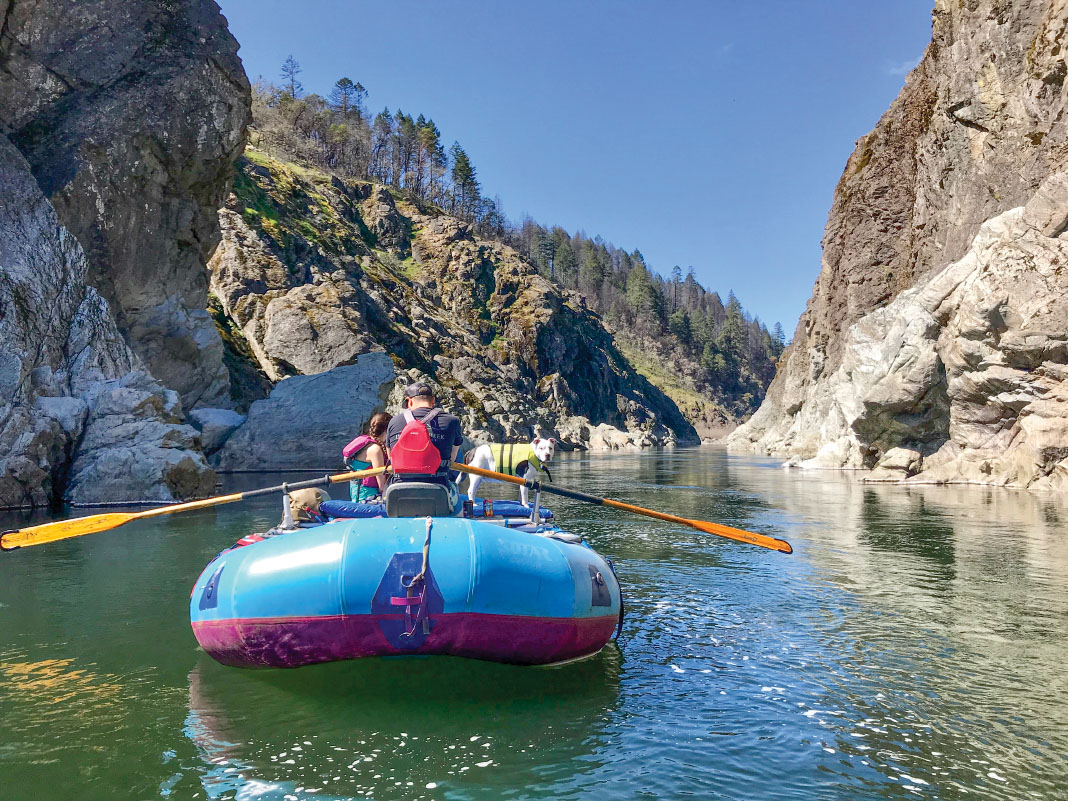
240	496
737	534
187	507
77	527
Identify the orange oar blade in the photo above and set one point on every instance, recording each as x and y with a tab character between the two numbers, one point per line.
738	534
741	535
63	529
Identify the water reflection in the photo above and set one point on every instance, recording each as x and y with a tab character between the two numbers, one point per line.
433	727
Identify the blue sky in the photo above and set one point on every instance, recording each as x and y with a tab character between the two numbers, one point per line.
705	134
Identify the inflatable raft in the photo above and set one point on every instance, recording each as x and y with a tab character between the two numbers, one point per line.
506	591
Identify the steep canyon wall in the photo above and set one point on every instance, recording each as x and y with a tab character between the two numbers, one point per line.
933	347
120	122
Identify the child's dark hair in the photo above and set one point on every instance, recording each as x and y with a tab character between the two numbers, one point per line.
376	428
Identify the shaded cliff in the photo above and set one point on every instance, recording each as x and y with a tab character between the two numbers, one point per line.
872	378
315	272
131	115
80	419
120	121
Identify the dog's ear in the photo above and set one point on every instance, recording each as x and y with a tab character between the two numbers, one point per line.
536	440
552	440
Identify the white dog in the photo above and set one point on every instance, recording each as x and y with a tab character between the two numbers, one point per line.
516	460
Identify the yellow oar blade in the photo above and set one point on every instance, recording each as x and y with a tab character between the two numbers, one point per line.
63	529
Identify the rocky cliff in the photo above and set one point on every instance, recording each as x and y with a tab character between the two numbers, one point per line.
131	114
933	347
315	274
80	419
120	121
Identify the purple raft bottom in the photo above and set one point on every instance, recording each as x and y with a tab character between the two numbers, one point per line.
293	641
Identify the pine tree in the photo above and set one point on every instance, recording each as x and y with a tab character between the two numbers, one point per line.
381	166
347	98
290	70
679	326
464	180
564	263
591	271
732	337
778	339
546	254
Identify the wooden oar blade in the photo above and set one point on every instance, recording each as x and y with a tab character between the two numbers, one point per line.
742	535
63	529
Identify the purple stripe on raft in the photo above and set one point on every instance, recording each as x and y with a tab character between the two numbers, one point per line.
292	642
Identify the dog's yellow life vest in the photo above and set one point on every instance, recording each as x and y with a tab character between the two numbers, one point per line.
508	457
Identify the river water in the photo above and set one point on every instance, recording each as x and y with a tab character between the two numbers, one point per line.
913	646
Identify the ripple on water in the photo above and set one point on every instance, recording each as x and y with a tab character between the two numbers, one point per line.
912	647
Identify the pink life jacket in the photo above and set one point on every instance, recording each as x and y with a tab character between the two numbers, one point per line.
349	452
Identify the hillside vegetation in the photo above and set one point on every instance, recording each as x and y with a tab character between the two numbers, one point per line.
721	360
314	272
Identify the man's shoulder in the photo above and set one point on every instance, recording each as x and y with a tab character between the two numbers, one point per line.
448	419
442	418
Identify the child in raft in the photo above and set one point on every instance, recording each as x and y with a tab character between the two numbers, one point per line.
368	450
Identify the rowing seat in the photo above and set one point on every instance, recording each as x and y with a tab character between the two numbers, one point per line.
419	499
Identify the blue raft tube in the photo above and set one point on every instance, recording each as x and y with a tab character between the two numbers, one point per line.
419	580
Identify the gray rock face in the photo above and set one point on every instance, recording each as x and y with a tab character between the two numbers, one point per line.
962	377
131	114
80	420
894	349
215	425
307	420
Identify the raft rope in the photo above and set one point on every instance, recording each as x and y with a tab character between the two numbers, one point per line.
419	578
619	625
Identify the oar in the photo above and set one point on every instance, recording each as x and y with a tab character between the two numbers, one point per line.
701	525
65	529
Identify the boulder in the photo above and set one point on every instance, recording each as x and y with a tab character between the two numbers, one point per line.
133	448
307	420
896	464
215	425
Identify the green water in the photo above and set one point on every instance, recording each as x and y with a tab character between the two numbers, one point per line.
913	646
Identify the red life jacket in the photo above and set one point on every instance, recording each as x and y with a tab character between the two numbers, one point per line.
415	453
